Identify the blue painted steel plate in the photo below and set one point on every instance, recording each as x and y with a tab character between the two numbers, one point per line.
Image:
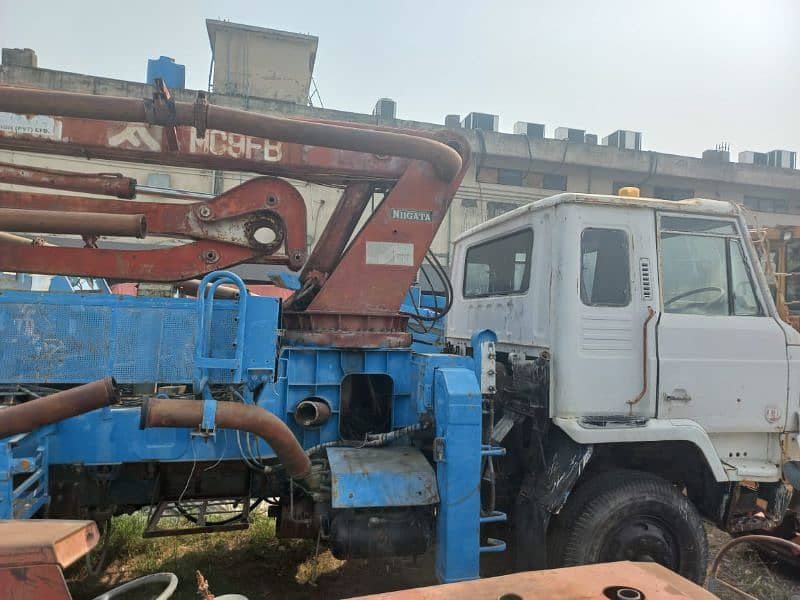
75	338
374	477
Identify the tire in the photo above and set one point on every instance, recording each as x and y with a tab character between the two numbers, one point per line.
630	515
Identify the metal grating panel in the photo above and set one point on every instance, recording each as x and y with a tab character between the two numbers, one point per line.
75	338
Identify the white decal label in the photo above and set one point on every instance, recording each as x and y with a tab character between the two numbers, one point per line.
408	214
135	136
389	253
35	125
234	145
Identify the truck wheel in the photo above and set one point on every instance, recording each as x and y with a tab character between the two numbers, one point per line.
630	515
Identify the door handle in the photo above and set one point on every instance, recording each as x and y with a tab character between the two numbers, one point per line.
678	395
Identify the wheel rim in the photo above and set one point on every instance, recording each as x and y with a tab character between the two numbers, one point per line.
642	539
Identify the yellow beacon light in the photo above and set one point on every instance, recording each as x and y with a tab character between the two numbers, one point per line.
629	192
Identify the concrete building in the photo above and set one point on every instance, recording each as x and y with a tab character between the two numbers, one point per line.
270	72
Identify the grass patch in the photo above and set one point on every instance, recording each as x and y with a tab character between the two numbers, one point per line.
252	562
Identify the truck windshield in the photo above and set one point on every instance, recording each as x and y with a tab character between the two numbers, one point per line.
499	267
704	271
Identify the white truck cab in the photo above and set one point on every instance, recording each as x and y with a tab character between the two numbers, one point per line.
642	332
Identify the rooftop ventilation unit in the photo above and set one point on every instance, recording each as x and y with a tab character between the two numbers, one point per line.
624	140
753	158
716	156
532	130
385	108
569	134
483	121
591	139
783	159
452	121
720	154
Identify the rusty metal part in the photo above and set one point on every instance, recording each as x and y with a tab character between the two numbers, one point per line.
383	260
312	412
105	184
169	412
332	242
33	552
83	223
27	101
342	223
370	278
51	541
29	415
766	541
345	329
588	582
650	314
191	286
225	229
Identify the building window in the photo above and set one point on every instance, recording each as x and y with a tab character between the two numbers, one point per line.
499	267
159	180
510	177
605	268
704	269
772	205
522	178
671	193
495	209
554	182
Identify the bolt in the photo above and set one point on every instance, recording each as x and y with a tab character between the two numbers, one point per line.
210	256
271	200
204	212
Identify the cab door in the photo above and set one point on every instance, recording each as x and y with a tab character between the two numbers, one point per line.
722	358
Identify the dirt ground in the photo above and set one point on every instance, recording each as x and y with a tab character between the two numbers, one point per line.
258	565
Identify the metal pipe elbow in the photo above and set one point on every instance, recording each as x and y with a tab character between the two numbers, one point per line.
171	412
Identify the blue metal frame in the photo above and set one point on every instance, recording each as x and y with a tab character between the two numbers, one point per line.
24	454
74	338
458	442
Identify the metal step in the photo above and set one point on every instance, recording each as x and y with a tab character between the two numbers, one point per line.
198	516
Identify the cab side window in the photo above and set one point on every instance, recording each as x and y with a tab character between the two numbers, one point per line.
499	267
605	267
704	271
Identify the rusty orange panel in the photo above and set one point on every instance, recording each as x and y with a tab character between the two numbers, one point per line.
45	541
590	582
33	582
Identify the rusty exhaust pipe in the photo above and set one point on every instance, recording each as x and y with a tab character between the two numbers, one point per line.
312	412
171	412
21	418
80	223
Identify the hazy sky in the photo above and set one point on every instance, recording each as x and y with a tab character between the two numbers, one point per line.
687	73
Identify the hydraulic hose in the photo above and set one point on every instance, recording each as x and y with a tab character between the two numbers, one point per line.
21	418
171	412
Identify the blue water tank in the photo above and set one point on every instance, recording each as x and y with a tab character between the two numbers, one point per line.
164	67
